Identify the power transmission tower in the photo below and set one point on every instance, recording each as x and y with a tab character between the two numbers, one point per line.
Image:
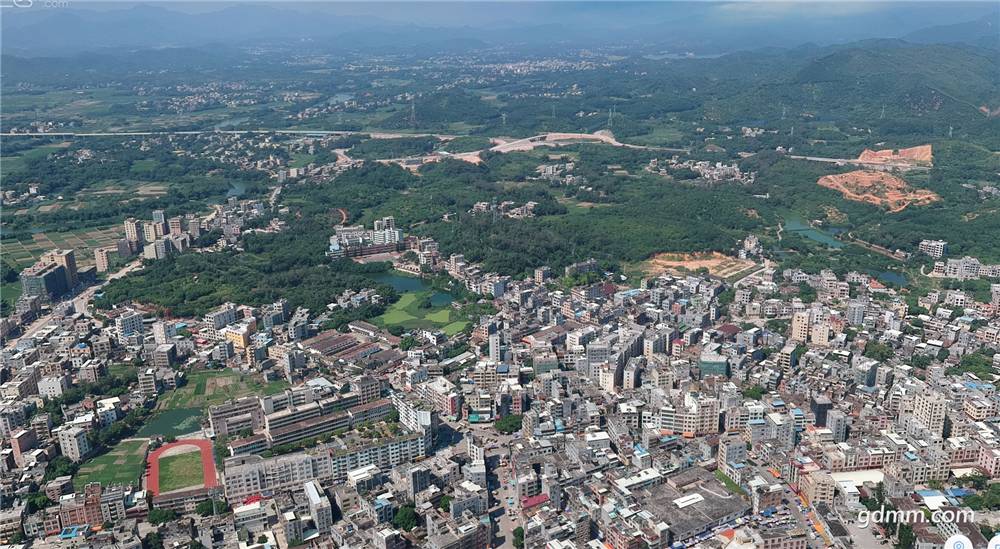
413	113
503	118
881	116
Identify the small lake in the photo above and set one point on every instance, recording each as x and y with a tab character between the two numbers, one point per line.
176	422
798	226
232	122
236	189
891	277
411	284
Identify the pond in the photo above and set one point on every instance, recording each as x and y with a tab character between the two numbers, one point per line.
798	226
891	277
411	284
177	422
230	123
236	189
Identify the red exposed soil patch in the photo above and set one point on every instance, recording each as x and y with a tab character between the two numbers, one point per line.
922	154
878	188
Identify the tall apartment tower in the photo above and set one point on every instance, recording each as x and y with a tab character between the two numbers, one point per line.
133	230
800	326
67	260
930	409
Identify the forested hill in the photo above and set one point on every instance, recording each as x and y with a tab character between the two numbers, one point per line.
965	73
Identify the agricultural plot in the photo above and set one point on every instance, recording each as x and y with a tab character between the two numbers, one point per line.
210	387
22	253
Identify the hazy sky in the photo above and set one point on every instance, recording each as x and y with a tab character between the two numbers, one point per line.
717	26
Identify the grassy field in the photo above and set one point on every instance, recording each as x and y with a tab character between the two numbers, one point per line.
730	484
180	471
210	387
408	313
144	166
301	160
661	135
22	253
10	292
122	465
15	163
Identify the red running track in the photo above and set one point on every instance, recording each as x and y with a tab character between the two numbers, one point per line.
211	480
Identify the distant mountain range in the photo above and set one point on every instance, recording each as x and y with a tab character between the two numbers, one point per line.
701	27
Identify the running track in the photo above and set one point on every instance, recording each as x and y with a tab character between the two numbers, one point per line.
207	463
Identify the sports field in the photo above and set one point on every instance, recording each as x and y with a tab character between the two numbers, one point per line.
182	464
180	471
122	465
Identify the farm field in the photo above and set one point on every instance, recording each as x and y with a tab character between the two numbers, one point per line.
22	253
209	387
122	465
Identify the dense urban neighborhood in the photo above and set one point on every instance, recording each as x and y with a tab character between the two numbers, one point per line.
579	293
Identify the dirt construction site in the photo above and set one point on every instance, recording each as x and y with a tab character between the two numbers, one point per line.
878	188
720	265
921	154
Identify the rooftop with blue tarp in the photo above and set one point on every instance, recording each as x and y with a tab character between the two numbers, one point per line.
71	532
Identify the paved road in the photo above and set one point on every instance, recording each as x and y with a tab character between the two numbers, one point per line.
863	538
376	135
517	144
747	277
80	302
497	447
855	161
553	138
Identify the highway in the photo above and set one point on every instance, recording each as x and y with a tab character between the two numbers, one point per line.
376	135
545	139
